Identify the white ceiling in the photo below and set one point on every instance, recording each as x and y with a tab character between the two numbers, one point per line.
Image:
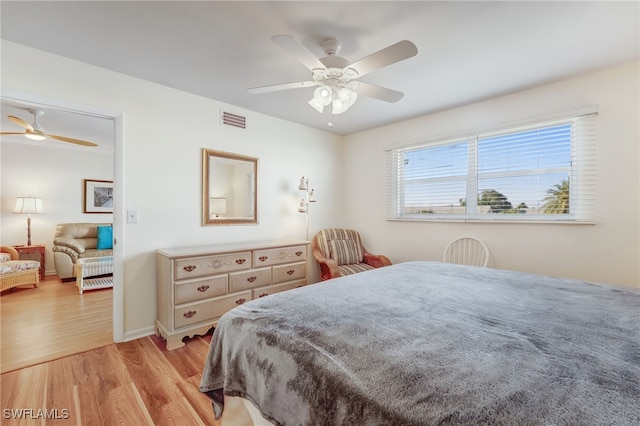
467	51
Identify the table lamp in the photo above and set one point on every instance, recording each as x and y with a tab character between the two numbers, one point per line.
28	205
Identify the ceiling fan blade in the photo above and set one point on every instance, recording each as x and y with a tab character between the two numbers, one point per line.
285	86
389	55
378	92
71	140
296	49
20	122
12	133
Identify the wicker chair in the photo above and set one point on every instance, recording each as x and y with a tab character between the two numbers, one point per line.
340	252
15	272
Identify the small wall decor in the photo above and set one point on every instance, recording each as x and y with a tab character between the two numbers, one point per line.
98	196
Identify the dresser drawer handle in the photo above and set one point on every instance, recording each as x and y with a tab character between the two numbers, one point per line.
189	314
263	258
189	268
240	301
264	294
290	271
298	253
203	288
240	261
252	279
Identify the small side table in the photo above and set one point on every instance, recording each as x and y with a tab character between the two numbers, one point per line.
32	253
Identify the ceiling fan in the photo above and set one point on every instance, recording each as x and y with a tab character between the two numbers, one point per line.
335	76
35	132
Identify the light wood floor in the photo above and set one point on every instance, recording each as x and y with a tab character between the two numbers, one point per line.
52	321
100	383
132	383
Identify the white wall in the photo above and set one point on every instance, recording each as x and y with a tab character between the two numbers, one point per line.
55	175
164	132
608	251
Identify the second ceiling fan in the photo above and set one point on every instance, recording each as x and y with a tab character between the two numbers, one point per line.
336	77
36	132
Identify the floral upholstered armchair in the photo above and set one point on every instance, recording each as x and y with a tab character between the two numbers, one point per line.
15	272
340	252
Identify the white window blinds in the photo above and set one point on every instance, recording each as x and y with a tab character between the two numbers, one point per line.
541	172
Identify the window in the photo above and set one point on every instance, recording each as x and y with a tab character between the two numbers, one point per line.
543	172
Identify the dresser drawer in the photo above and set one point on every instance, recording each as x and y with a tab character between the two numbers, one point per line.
278	256
277	288
290	272
239	281
193	267
208	310
201	289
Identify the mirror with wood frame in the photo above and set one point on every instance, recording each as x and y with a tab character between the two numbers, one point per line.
229	188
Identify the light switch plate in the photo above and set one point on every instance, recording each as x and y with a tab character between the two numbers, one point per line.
132	216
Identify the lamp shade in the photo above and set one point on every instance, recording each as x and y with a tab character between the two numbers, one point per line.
316	105
323	95
218	206
303	184
344	100
28	205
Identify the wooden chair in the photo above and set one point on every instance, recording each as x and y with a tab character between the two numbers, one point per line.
15	272
340	252
467	251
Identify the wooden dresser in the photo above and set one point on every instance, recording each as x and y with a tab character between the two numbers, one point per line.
196	285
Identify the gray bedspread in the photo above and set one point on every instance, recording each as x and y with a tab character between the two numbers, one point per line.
425	343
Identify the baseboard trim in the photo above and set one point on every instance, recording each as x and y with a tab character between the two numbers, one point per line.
139	333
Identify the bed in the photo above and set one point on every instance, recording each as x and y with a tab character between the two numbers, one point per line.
422	343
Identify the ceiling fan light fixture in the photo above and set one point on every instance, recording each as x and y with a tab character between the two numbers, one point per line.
323	95
338	107
335	76
34	136
347	95
316	105
36	132
345	99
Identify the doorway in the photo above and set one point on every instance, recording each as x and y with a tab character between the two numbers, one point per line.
64	115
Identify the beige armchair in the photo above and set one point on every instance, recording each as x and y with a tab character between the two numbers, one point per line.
15	272
340	252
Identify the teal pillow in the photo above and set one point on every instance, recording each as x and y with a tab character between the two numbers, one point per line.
105	237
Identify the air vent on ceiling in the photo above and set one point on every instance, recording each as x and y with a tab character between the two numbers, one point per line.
233	120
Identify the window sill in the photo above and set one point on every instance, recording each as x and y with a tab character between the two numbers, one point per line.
501	221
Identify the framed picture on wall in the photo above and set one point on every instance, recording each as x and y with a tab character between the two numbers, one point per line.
98	196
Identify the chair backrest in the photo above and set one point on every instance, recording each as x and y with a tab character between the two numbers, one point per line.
13	253
467	251
324	237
